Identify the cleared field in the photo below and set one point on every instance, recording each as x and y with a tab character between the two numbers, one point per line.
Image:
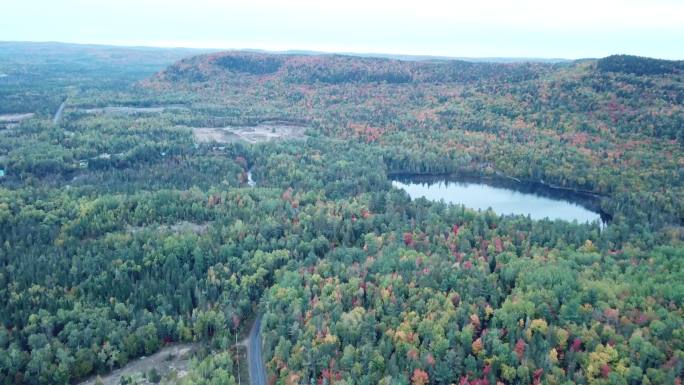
252	134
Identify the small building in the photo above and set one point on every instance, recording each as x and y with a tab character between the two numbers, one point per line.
2	172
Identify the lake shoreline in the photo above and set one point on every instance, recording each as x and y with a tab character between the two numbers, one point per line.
588	200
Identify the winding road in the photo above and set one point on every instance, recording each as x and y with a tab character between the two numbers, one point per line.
257	373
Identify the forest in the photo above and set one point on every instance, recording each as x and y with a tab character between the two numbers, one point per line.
149	212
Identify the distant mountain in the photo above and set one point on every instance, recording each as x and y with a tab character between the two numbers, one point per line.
309	66
337	69
640	65
407	57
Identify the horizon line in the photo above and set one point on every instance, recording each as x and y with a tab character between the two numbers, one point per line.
311	51
317	51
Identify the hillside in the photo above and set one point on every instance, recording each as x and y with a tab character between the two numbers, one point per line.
339	69
640	65
581	122
620	94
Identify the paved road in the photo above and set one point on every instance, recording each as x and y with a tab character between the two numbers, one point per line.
257	373
58	114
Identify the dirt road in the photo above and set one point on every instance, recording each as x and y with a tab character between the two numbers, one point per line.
58	114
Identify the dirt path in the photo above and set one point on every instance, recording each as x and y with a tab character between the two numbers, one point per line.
58	114
173	358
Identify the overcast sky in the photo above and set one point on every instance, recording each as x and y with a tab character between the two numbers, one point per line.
480	28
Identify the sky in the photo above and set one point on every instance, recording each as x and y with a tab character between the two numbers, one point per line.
483	28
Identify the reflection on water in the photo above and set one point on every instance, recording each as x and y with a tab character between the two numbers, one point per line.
502	200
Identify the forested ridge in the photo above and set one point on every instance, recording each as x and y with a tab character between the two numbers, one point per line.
126	230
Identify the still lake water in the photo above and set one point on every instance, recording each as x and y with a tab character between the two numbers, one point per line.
502	200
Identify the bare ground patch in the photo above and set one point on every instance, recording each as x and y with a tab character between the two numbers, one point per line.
251	134
120	110
172	361
15	118
209	135
180	227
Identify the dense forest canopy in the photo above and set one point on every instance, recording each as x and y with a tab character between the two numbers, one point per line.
129	220
639	65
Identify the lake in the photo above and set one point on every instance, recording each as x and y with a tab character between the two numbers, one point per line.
503	197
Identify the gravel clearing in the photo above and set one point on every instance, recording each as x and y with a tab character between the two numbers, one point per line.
172	360
252	134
